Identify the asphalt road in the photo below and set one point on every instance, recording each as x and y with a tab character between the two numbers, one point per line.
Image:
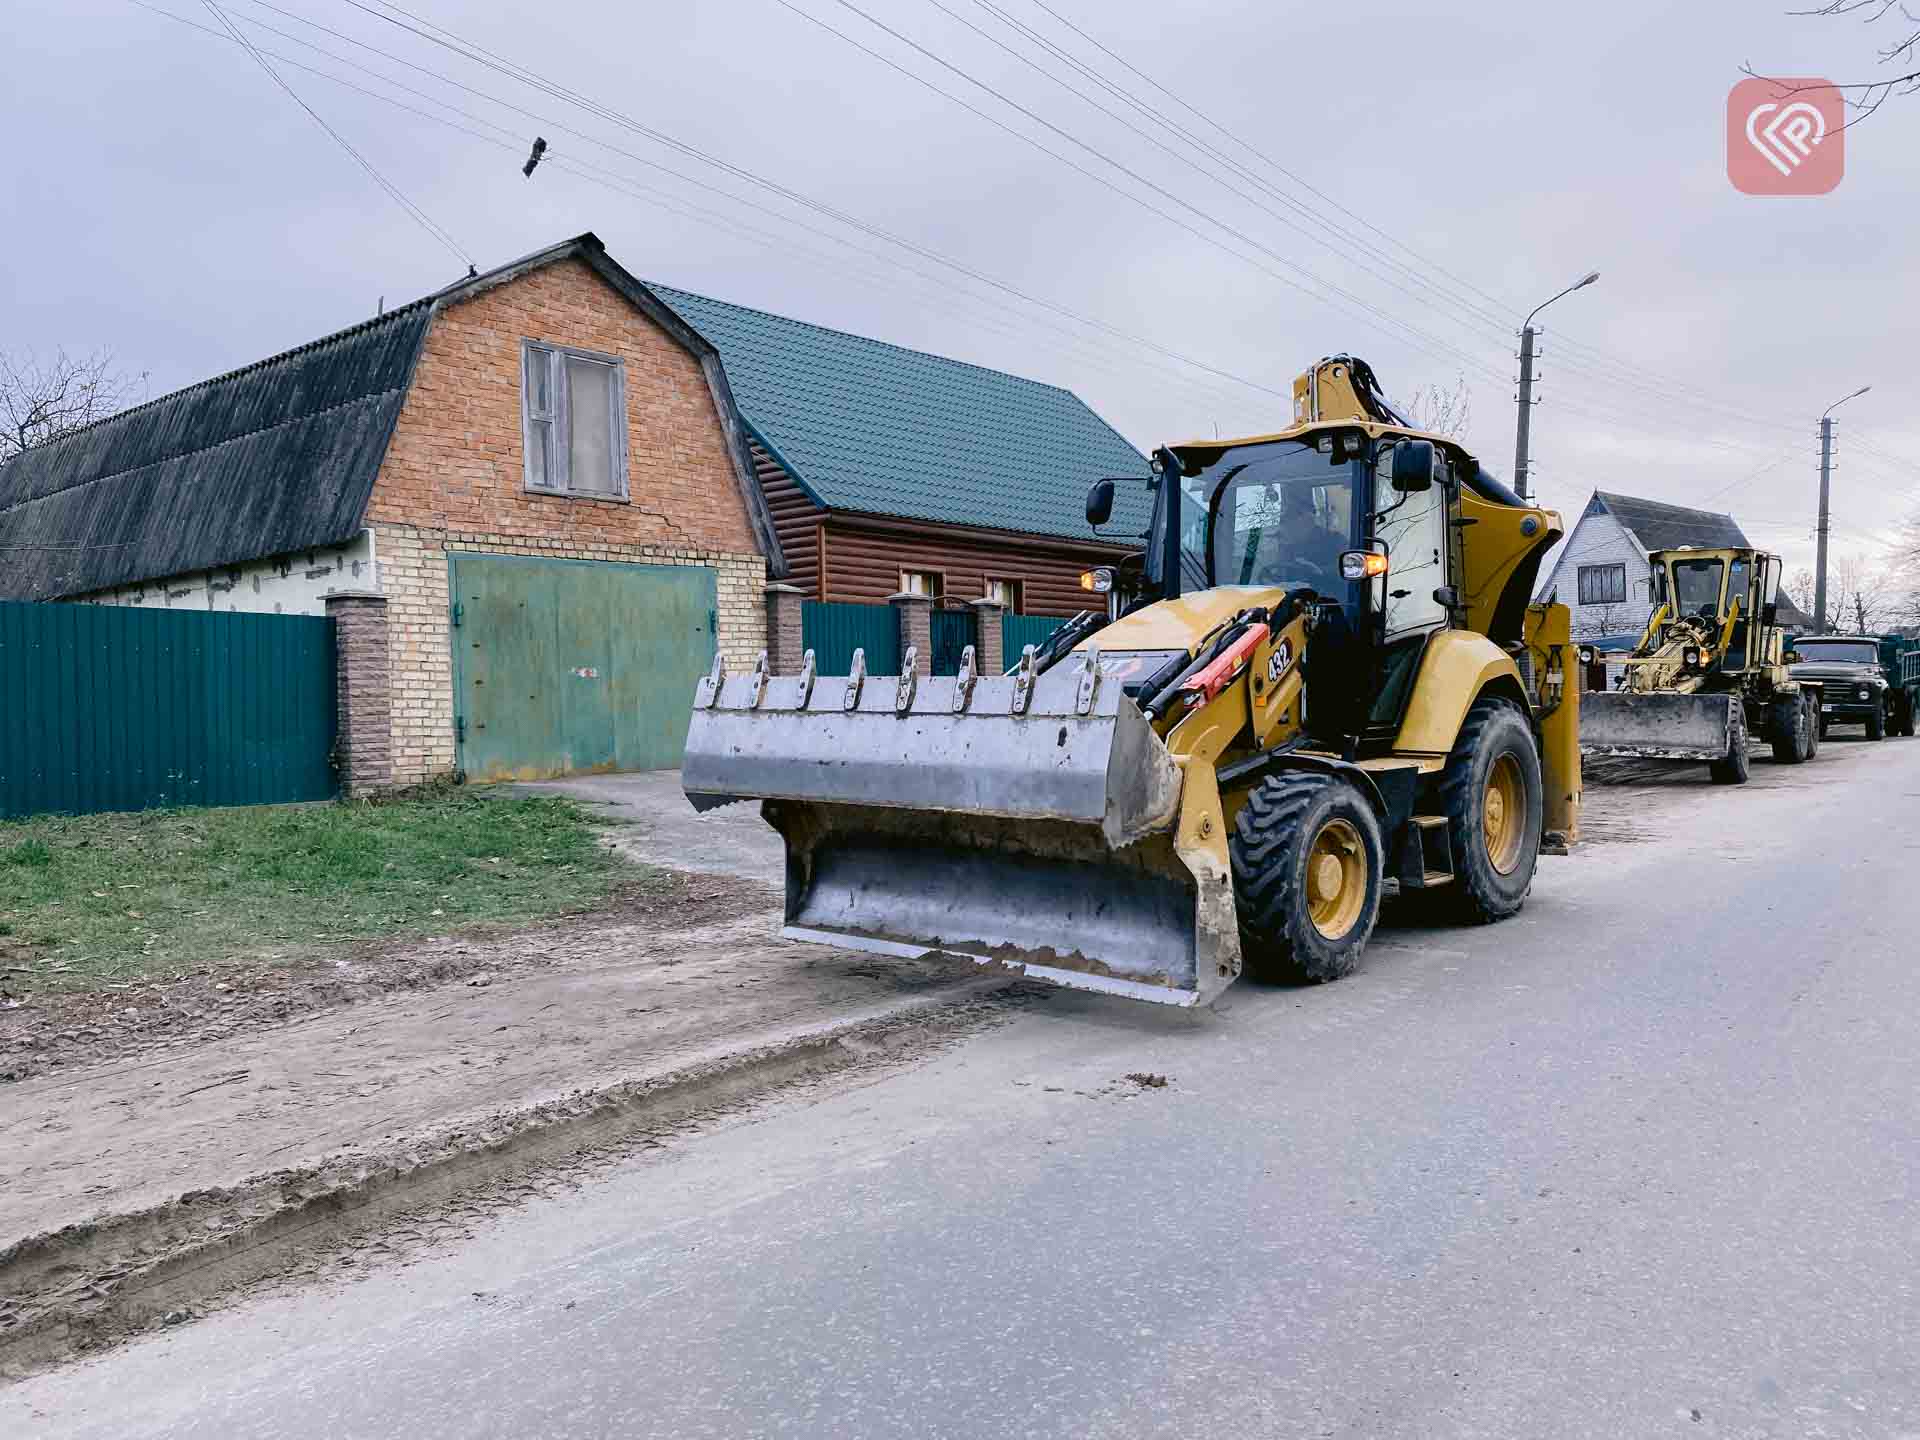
1639	1162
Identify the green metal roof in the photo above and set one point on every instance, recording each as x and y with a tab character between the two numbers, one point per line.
871	427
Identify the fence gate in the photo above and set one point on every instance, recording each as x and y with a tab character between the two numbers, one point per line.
952	633
107	707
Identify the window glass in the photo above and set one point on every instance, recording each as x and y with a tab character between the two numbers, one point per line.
1603	584
1696	586
1284	516
1413	530
590	437
1737	585
920	582
1838	652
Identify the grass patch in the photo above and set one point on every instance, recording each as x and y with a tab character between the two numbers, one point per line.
105	898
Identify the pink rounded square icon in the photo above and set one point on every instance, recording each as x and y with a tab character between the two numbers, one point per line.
1785	137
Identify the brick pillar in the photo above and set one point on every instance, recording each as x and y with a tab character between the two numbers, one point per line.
989	654
786	639
915	614
362	683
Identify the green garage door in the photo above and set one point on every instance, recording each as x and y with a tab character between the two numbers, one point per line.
566	665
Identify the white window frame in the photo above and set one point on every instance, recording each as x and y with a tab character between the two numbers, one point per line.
935	587
1012	584
560	420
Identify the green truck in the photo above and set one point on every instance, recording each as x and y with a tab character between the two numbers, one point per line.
1867	680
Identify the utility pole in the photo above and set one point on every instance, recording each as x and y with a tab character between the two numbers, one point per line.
1820	555
1826	478
1525	428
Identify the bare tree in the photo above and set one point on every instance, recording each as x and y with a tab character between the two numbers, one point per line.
1861	596
43	400
1799	588
1901	54
1596	622
1442	412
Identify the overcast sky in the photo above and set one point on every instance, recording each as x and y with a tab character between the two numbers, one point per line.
1450	167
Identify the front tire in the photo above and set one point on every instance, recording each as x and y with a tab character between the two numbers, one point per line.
1733	769
1788	731
1877	723
1494	801
1308	862
1816	728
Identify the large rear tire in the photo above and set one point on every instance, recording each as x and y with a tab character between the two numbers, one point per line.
1733	769
1494	802
1307	868
1787	730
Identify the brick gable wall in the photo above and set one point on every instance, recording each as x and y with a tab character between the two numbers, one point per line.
453	479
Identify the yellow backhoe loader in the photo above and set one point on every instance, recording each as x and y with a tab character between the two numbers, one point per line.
1708	671
1330	688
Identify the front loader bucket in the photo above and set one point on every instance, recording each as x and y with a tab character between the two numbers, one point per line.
1663	725
1027	823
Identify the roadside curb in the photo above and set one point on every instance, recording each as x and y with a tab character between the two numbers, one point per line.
92	1284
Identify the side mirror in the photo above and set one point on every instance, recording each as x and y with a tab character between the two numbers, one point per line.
1769	615
1100	502
1414	462
1448	597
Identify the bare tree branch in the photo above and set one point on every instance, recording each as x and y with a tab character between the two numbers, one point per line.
43	400
1872	94
1442	412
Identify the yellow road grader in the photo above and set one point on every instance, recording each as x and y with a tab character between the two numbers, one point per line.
1331	688
1708	672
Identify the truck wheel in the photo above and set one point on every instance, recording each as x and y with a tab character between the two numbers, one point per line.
1816	729
1903	715
1787	730
1492	797
1877	723
1307	865
1733	769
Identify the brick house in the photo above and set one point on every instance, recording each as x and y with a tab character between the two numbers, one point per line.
540	500
370	472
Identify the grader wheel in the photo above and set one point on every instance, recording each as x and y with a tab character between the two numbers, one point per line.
1307	861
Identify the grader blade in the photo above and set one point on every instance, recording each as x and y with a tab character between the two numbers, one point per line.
1660	725
1020	820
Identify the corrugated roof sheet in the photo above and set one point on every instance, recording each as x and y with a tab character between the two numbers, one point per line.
1659	526
872	427
275	458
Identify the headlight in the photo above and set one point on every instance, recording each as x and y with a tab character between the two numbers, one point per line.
1099	581
1865	694
1690	657
1586	654
1362	565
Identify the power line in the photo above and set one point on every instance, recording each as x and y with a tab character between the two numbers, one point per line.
1630	374
1421	339
426	223
513	142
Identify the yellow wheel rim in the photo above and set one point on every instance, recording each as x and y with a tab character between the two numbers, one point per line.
1503	814
1336	879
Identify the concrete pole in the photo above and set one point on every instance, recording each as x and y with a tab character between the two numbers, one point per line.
1526	414
1820	560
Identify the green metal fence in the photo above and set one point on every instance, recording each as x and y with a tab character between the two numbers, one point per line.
833	632
120	708
1018	631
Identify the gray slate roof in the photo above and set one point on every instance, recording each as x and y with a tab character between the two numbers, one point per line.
866	426
1659	526
277	457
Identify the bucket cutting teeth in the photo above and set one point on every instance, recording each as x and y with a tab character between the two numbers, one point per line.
1023	820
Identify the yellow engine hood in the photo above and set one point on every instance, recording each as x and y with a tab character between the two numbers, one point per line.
1177	624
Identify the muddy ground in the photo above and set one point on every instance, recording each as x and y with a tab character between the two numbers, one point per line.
46	1032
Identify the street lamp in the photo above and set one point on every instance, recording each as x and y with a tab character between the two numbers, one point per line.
1527	333
1826	473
